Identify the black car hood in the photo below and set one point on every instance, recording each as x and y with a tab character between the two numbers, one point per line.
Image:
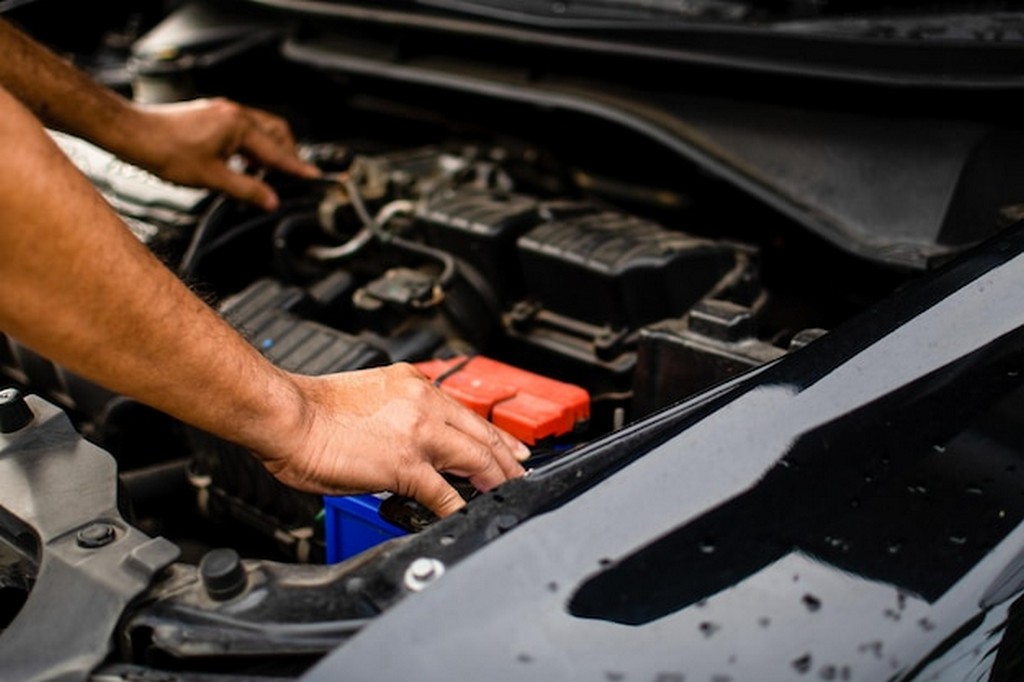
829	515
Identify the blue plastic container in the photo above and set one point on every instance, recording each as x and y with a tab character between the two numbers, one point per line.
352	525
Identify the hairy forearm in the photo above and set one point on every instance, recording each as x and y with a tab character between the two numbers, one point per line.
60	95
189	143
81	290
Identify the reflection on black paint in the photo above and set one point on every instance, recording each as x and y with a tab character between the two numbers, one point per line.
912	490
1009	663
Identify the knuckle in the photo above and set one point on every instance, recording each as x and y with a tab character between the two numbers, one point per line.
421	390
494	439
410	418
404	369
408	460
480	458
226	106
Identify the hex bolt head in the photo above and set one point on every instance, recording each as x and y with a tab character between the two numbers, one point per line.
96	535
223	574
15	414
422	572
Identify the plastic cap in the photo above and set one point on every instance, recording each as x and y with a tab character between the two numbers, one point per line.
15	414
222	574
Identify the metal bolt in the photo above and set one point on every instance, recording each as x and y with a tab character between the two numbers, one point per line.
96	535
422	572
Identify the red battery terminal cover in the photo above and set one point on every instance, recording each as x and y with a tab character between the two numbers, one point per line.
529	406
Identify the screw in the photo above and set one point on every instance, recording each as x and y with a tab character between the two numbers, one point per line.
422	572
96	535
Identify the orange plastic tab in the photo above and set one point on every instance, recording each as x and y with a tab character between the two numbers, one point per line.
529	406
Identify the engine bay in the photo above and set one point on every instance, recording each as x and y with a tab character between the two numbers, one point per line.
559	318
561	274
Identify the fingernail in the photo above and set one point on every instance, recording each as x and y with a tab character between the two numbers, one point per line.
522	452
271	203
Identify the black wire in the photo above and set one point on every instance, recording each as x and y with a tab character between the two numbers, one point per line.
238	231
453	370
279	241
206	224
202	250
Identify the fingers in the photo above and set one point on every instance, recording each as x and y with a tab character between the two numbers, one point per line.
487	432
191	143
504	450
498	447
274	126
430	489
487	464
244	187
462	455
269	141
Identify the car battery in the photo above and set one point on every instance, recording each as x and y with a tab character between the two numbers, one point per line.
529	406
352	524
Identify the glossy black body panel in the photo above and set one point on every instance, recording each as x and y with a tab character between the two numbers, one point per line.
852	512
877	49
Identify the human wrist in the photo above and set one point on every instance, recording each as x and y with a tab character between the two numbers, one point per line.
132	132
281	418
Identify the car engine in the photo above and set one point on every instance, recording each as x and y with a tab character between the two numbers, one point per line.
559	317
559	273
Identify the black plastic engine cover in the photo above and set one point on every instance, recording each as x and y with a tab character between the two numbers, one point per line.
615	269
263	314
481	228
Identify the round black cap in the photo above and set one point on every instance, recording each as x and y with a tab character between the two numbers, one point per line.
15	414
222	574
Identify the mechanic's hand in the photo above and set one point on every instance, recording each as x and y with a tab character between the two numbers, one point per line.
190	143
391	429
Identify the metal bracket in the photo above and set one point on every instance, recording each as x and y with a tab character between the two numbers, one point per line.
91	563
